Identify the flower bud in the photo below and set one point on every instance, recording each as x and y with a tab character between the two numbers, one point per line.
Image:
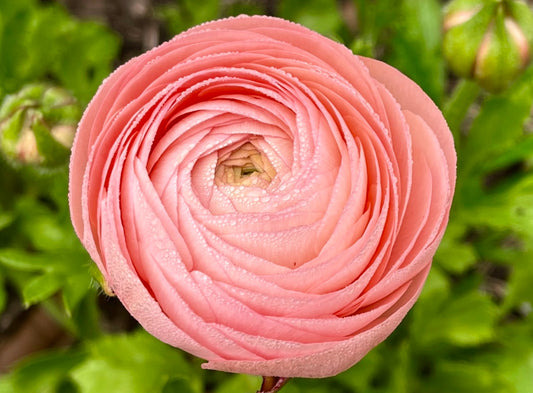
488	40
37	126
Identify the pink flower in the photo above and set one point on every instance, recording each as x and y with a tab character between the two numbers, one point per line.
260	197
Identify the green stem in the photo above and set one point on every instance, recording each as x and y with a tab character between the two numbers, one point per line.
457	106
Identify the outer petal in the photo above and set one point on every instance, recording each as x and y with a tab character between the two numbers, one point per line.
411	97
303	275
340	356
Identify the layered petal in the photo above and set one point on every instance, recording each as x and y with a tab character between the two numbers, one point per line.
260	197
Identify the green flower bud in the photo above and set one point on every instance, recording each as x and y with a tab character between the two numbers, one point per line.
37	126
488	40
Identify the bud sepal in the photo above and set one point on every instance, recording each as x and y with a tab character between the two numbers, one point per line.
489	41
37	126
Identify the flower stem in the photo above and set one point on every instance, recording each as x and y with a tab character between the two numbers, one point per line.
457	106
272	384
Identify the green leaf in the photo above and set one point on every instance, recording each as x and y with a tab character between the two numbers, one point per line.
322	16
47	233
416	45
505	367
400	378
135	363
44	372
42	41
304	385
454	254
517	153
3	294
97	376
47	227
47	273
6	218
41	287
240	383
9	8
179	16
21	260
6	385
514	358
178	384
236	8
15	23
68	262
509	207
458	105
40	37
358	377
519	291
75	287
500	123
373	25
436	289
465	321
435	293
465	377
85	316
201	12
87	52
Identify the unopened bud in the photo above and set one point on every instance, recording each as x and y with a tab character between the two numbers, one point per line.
488	40
37	126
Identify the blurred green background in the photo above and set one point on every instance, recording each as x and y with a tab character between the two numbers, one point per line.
472	328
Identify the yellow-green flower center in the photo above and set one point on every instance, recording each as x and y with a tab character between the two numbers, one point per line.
244	166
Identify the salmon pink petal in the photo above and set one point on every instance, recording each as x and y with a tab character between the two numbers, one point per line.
260	197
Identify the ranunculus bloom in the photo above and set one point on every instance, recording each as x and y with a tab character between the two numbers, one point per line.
260	197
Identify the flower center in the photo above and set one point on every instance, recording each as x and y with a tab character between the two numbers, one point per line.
244	166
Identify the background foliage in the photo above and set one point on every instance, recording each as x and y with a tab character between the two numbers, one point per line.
471	330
